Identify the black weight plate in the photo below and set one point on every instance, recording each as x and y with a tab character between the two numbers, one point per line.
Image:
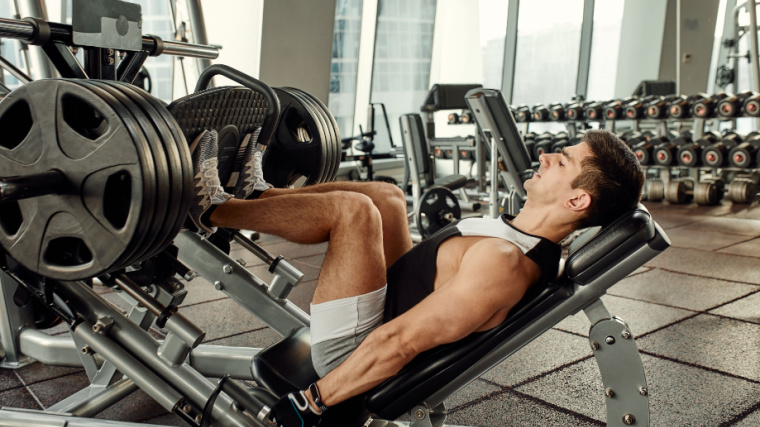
332	125
290	155
434	204
183	150
180	189
73	235
130	111
323	128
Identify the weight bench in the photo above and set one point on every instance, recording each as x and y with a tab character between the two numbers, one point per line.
597	260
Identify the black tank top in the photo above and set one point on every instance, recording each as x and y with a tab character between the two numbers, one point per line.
412	277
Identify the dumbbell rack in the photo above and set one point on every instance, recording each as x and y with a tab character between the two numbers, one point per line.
676	183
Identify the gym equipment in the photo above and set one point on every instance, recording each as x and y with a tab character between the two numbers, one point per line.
575	111
636	109
93	183
540	113
716	155
523	114
707	192
615	110
681	107
731	106
557	112
594	111
654	189
438	207
708	107
746	154
742	190
690	154
752	105
642	148
665	151
598	260
658	108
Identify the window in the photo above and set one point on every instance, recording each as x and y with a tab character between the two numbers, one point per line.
548	45
493	32
401	69
345	61
605	44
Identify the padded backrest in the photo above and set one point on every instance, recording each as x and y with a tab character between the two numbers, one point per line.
447	97
413	137
431	370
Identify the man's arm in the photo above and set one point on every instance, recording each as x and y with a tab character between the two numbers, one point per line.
492	277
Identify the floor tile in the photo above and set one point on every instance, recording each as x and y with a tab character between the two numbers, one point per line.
509	409
684	237
473	391
37	372
745	309
733	225
53	391
749	248
752	420
679	290
679	395
547	352
669	220
221	318
8	379
136	407
710	341
708	264
18	398
641	317
257	339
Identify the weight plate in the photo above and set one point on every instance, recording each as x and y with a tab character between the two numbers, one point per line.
180	171
295	150
438	208
183	151
87	227
143	129
333	126
675	192
706	193
655	190
324	131
742	191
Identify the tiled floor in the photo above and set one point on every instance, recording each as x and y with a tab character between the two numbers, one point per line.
694	310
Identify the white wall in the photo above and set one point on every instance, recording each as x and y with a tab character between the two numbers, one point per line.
640	44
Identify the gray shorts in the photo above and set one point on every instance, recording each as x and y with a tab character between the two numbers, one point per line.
338	327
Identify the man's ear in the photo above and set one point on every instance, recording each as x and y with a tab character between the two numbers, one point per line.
580	200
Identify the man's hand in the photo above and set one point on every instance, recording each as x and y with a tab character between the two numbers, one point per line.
293	410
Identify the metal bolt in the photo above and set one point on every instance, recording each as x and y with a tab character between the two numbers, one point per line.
87	350
626	335
227	268
629	419
198	419
109	60
97	328
419	414
595	345
609	393
191	274
110	52
242	262
218	285
643	391
187	409
610	340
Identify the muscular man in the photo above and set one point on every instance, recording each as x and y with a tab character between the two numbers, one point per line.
379	301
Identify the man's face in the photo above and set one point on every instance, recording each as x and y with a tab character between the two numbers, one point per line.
551	183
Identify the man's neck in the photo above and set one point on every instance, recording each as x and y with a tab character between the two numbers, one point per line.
544	221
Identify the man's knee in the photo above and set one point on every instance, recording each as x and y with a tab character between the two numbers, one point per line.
388	195
357	208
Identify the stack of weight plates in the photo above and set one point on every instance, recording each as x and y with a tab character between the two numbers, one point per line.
128	177
306	146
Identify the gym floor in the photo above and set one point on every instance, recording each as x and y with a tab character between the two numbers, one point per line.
694	311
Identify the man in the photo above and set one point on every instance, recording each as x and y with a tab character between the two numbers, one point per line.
379	302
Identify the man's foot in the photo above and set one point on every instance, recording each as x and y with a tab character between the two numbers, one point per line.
207	190
248	163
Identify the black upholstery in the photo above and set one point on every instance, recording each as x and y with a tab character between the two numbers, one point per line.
435	368
447	97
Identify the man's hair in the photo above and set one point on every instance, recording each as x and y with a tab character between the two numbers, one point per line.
612	176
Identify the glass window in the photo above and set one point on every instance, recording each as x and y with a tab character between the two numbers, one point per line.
493	32
548	45
11	49
401	69
605	44
157	21
345	61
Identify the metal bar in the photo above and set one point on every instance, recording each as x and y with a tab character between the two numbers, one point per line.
13	417
40	67
25	187
510	51
15	71
64	60
93	400
130	66
188	49
584	58
253	248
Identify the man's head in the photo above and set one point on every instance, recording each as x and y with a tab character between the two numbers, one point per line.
595	181
611	175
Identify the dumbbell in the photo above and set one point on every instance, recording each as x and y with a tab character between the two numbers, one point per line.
707	107
716	155
742	190
746	154
637	108
540	113
557	112
709	192
680	108
690	153
731	106
560	144
438	153
614	110
574	111
666	152
466	117
752	105
654	190
658	108
543	145
523	114
466	155
453	118
679	191
642	148
594	111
